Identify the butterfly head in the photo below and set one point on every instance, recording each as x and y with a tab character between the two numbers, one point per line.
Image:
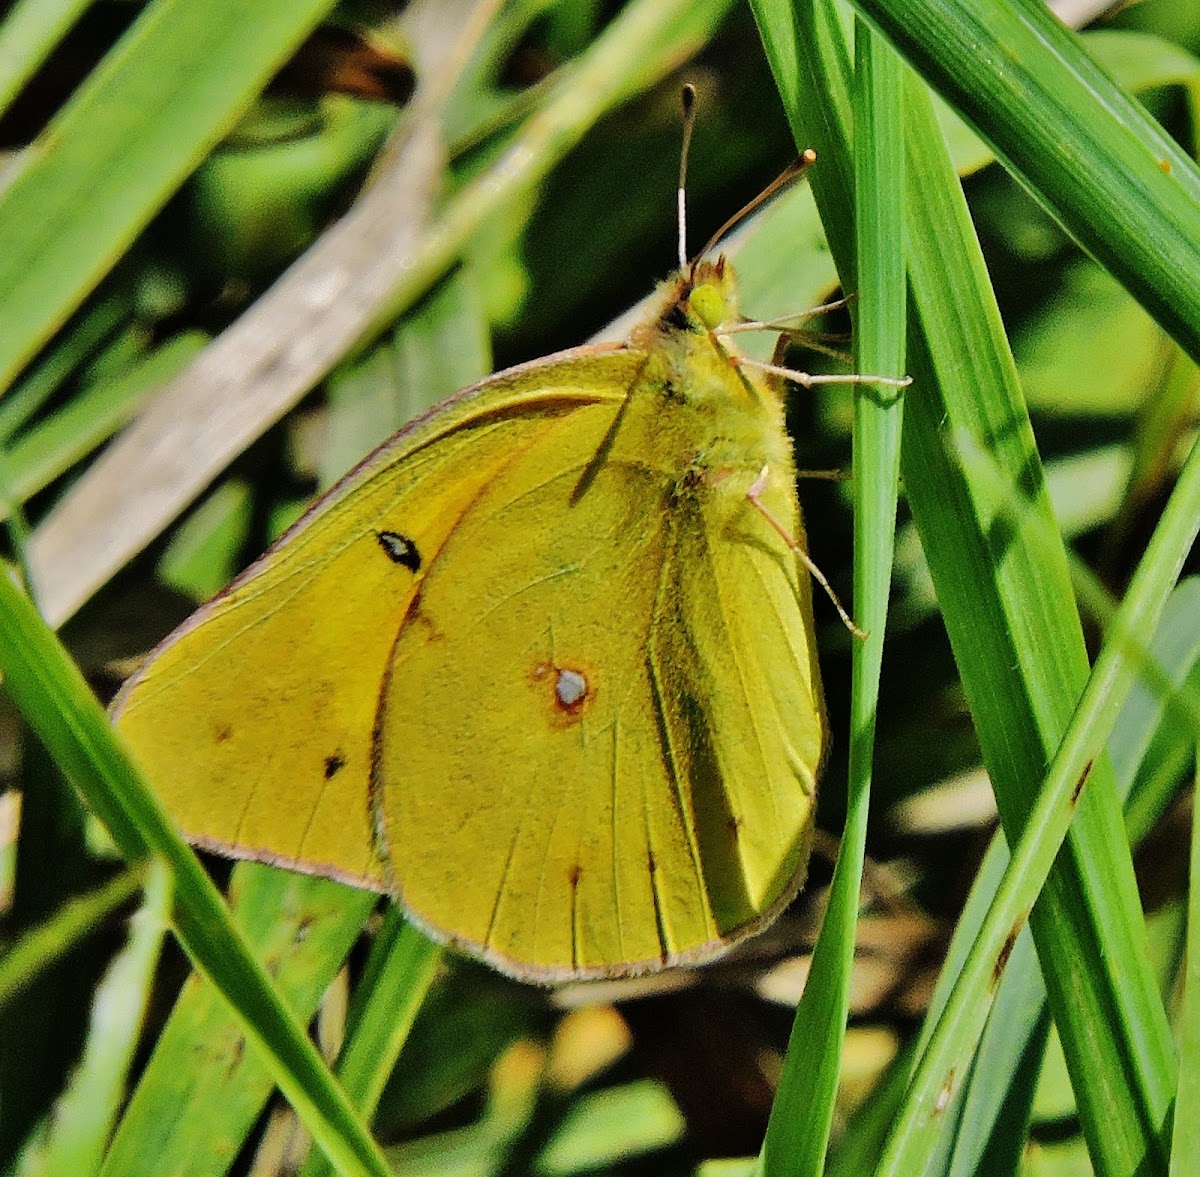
710	293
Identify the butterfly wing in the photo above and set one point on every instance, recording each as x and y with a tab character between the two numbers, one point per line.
742	697
523	797
602	722
255	720
538	667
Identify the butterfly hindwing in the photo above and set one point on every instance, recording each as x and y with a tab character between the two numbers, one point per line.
745	707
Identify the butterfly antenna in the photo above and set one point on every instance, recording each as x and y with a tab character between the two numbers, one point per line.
794	169
688	98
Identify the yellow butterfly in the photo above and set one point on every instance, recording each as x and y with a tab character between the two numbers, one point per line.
542	667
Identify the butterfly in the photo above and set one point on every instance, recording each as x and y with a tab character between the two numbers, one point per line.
542	667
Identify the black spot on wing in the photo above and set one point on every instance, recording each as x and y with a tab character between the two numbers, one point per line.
333	765
399	549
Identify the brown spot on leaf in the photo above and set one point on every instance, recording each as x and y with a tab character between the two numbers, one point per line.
1005	952
943	1098
1083	776
236	1053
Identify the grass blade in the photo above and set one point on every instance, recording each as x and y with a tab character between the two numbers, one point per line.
84	1115
802	1115
23	960
1185	1150
55	700
126	140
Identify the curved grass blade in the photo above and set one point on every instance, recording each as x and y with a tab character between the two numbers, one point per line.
55	700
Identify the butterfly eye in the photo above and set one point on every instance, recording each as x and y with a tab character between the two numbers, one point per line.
709	305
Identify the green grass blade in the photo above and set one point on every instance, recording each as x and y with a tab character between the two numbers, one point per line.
24	959
100	320
29	32
402	966
987	1124
61	440
1150	728
1114	178
55	700
202	1091
84	1115
802	1115
1185	1144
395	981
166	93
808	58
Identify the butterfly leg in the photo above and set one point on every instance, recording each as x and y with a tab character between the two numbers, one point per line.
809	381
795	334
789	325
754	495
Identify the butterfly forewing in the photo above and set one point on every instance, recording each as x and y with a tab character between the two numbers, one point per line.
255	719
522	789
